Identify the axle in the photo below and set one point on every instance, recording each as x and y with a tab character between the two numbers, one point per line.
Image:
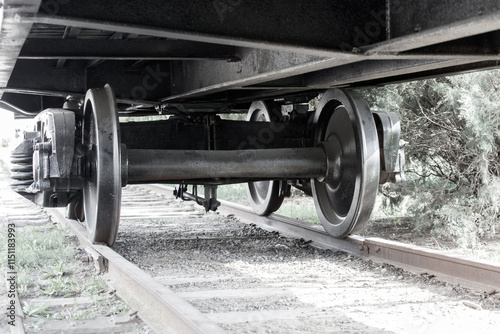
145	166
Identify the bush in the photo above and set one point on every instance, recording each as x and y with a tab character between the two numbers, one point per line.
452	126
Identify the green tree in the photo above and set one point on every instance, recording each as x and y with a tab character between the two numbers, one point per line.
452	126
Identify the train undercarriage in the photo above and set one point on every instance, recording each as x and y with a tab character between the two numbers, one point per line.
88	72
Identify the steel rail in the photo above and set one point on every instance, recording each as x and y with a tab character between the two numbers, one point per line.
455	269
159	307
450	268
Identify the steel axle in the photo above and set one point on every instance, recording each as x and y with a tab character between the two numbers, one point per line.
143	166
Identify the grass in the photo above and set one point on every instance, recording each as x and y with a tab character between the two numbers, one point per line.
42	247
47	267
301	208
62	287
235	193
297	206
55	271
31	309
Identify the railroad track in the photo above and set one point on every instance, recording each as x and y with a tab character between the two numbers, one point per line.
212	273
217	273
453	269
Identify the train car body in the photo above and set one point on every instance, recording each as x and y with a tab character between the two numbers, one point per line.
78	66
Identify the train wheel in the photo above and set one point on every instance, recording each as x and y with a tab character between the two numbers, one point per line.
102	189
346	129
264	196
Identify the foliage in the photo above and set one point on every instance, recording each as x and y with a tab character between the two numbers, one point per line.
452	126
43	247
297	206
31	309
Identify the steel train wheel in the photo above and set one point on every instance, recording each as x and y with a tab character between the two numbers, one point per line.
347	130
102	190
264	196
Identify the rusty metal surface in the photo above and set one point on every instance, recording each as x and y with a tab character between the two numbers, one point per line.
158	306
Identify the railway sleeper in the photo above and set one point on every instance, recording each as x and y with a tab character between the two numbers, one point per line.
338	153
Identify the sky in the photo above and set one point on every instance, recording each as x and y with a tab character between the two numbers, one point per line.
8	124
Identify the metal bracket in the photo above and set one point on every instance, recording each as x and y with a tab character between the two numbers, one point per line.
392	157
100	263
54	147
209	202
